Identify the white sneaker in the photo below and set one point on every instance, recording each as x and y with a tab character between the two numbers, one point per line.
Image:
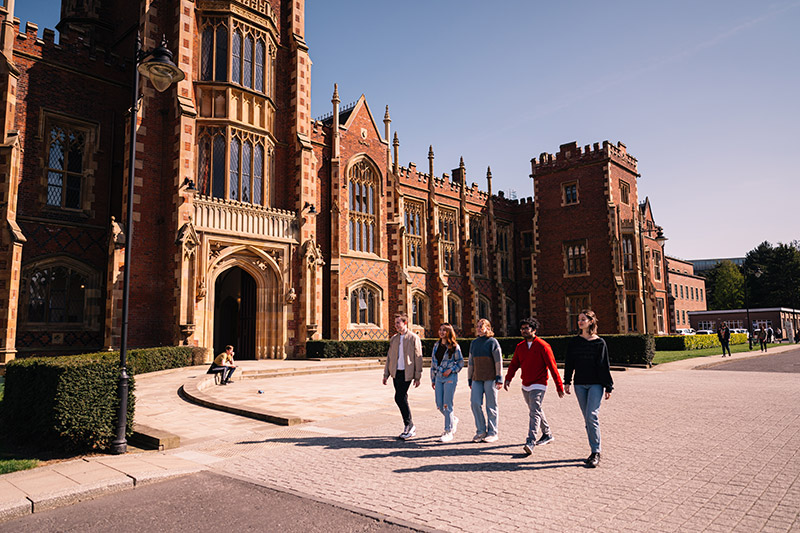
412	432
455	424
490	438
479	437
447	436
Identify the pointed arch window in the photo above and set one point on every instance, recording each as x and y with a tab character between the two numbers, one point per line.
414	234
448	237
419	308
363	305
59	291
454	310
249	171
362	183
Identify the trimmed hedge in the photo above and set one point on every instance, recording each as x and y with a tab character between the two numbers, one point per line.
623	349
694	342
65	402
71	402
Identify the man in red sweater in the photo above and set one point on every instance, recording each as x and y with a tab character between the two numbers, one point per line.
535	357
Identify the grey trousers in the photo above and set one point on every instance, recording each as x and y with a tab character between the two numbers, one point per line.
537	419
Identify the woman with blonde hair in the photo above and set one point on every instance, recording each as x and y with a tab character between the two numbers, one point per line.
446	361
484	372
587	357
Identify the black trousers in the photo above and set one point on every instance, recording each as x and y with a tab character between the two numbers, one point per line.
725	346
401	396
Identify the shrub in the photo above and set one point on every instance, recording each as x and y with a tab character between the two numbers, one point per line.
71	401
623	349
67	402
694	342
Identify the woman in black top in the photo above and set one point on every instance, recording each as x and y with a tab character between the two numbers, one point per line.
587	358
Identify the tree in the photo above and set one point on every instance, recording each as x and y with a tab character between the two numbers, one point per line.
725	286
773	275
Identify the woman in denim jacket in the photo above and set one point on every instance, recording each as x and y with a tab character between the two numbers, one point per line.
446	361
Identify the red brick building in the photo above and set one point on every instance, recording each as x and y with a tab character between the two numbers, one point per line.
687	290
257	225
595	245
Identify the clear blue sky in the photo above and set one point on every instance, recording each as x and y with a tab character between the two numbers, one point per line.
704	95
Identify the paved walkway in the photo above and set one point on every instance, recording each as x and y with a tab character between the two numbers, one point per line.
683	450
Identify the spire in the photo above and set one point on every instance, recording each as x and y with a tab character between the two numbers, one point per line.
386	116
396	145
387	121
489	179
430	167
335	125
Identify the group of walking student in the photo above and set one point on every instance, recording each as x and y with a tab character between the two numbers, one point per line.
586	368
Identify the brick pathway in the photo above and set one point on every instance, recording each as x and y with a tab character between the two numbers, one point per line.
687	450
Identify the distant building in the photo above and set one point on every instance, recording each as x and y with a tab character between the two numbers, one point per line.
687	291
787	319
701	266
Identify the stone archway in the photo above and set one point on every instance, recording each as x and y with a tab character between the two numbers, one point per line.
235	313
254	278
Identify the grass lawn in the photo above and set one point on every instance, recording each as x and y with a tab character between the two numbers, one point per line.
677	355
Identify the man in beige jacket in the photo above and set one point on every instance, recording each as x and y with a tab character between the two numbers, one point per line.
404	364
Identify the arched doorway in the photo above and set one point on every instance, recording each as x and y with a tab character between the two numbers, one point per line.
235	306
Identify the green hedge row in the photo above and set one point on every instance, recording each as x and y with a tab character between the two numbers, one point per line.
71	402
623	349
694	342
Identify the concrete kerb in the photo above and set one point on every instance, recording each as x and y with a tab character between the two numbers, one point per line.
53	486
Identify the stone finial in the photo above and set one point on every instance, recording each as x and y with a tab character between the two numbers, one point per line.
386	117
430	152
335	98
461	162
396	141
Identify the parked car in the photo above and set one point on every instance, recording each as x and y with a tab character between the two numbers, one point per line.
706	332
739	330
687	331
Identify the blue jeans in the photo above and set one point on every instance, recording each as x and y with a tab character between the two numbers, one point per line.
589	398
479	390
445	391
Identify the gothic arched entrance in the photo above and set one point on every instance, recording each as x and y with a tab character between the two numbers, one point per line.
235	303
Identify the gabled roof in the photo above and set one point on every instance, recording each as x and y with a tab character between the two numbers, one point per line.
348	114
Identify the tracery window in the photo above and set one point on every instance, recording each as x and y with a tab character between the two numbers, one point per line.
484	308
627	252
575	253
454	310
214	50
363	305
251	58
418	309
59	291
575	304
414	223
448	238
363	185
630	311
248	176
65	165
624	192
503	249
476	234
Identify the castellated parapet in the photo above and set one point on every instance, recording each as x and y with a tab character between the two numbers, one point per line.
571	154
73	49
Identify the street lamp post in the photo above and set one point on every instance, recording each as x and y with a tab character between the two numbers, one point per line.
746	272
157	65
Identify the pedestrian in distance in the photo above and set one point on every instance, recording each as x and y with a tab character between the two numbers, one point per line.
535	357
778	335
770	334
484	374
724	335
587	357
446	361
224	363
404	365
762	339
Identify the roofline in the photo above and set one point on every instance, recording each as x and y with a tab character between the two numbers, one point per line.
731	311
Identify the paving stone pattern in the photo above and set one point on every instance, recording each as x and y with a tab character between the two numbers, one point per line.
687	450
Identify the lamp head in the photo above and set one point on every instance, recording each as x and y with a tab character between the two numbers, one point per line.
160	68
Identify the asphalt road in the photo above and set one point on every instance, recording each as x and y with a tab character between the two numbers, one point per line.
201	502
781	362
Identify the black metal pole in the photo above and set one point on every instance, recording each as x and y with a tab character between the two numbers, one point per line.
120	444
